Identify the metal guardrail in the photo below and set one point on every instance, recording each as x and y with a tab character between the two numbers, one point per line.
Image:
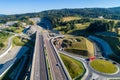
8	47
6	67
63	66
33	62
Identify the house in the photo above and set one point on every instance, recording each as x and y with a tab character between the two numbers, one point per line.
101	17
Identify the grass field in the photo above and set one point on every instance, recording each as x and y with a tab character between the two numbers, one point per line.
78	45
19	30
15	29
3	39
103	66
18	42
70	18
60	28
74	67
106	19
4	36
82	26
79	27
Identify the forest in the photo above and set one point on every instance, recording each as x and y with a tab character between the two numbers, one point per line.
109	13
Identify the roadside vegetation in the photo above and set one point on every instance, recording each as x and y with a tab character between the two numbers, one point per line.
18	41
74	67
77	45
16	28
3	39
103	66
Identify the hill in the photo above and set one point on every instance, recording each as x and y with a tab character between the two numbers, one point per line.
110	13
77	45
54	15
2	15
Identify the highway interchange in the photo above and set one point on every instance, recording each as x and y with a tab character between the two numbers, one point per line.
45	50
57	69
39	68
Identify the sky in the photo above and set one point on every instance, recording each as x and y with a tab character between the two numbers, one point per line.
28	6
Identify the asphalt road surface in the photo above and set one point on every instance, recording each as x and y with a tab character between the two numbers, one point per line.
40	69
55	65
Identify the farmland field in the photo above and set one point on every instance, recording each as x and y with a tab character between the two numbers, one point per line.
70	18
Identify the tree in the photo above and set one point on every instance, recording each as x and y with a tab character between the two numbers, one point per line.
1	45
19	24
68	27
117	25
112	25
98	26
31	23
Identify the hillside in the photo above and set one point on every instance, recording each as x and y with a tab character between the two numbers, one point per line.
2	15
77	45
110	13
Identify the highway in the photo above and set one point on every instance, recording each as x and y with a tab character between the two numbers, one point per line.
57	71
90	74
39	68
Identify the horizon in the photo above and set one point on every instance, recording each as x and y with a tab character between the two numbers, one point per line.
28	6
54	9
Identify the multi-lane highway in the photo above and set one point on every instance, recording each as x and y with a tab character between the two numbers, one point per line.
39	68
57	70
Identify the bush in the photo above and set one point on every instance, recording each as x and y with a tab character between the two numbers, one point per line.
1	45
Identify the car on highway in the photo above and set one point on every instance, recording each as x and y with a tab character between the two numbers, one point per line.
57	65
